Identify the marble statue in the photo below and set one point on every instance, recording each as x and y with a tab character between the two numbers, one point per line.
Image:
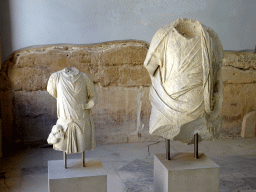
76	95
184	63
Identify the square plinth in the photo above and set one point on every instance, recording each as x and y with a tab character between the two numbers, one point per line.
91	178
184	173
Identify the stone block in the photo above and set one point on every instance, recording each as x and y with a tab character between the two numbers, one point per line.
233	105
232	75
75	178
116	111
132	76
239	99
119	106
242	60
250	98
183	173
29	69
248	125
229	57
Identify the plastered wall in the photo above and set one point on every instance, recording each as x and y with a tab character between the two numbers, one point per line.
38	22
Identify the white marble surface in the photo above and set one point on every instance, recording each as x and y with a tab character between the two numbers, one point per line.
93	167
76	95
75	178
183	173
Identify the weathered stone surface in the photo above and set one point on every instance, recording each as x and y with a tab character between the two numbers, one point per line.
122	114
241	60
233	75
239	79
239	99
233	105
248	125
117	63
122	83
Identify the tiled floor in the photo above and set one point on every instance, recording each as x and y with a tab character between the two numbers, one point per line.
130	166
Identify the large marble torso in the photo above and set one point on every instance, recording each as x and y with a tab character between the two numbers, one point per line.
184	61
73	90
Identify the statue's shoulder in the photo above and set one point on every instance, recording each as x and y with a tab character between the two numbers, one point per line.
54	76
86	76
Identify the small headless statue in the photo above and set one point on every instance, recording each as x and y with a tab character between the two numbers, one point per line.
76	95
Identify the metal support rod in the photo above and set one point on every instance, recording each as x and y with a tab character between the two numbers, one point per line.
83	159
65	159
196	146
167	147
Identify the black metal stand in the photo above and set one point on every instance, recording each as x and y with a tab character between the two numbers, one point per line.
83	159
65	159
196	146
167	147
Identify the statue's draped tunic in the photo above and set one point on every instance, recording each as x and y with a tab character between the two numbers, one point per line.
73	91
186	92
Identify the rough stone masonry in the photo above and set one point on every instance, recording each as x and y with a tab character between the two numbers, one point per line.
122	83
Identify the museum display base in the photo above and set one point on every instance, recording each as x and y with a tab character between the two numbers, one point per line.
184	173
91	178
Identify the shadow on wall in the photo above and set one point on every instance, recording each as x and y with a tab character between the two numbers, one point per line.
5	85
5	32
6	110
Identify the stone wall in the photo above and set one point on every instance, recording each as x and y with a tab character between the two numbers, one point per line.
123	109
239	79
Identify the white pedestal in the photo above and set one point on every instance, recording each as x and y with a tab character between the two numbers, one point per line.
91	178
183	173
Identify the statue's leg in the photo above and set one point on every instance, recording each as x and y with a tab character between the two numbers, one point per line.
83	163
65	159
167	147
196	146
